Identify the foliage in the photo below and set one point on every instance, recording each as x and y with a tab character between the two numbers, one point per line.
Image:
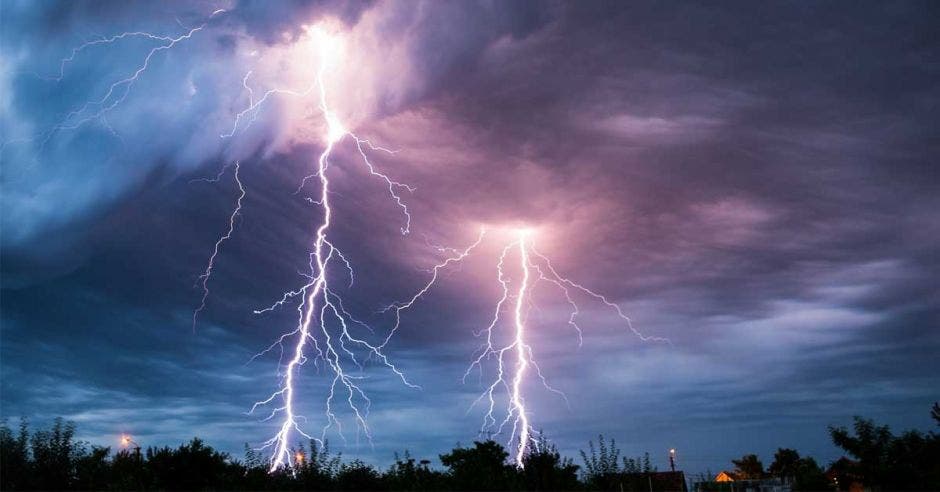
801	473
810	476
482	467
357	475
14	456
910	461
316	468
604	470
638	465
748	467
785	464
192	466
603	460
546	469
53	459
406	475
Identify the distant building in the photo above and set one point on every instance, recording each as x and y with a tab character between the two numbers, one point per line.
843	473
727	481
725	476
669	481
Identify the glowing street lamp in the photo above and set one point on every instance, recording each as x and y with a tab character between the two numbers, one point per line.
126	441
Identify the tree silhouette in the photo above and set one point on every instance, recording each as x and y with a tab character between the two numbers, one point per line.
546	469
910	461
638	465
357	475
52	459
482	467
92	470
192	466
869	446
15	466
749	467
785	465
800	473
601	467
405	474
54	453
810	476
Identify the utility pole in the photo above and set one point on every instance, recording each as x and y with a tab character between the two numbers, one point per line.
127	441
672	459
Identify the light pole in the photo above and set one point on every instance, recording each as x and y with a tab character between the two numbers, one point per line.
126	441
672	459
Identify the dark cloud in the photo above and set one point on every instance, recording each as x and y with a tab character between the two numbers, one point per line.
280	22
73	135
756	183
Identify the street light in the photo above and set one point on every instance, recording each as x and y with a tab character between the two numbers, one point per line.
672	459
126	441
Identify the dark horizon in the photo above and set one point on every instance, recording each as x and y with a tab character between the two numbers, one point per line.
755	183
53	459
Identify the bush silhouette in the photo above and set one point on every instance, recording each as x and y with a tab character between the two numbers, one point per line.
52	459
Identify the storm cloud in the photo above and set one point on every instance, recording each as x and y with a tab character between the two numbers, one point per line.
757	183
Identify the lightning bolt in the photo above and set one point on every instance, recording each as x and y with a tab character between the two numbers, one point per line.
97	109
326	331
523	355
515	357
102	41
249	114
203	280
457	256
118	91
516	412
323	330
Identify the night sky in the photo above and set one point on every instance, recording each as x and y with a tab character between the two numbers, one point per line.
756	182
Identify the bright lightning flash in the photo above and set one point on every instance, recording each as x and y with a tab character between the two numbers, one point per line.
514	357
324	330
324	327
517	348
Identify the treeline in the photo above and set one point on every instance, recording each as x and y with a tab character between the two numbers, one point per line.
909	461
52	459
880	460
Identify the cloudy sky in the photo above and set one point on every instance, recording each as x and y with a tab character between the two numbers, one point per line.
756	183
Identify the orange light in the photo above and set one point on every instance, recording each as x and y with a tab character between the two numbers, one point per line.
125	440
299	457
